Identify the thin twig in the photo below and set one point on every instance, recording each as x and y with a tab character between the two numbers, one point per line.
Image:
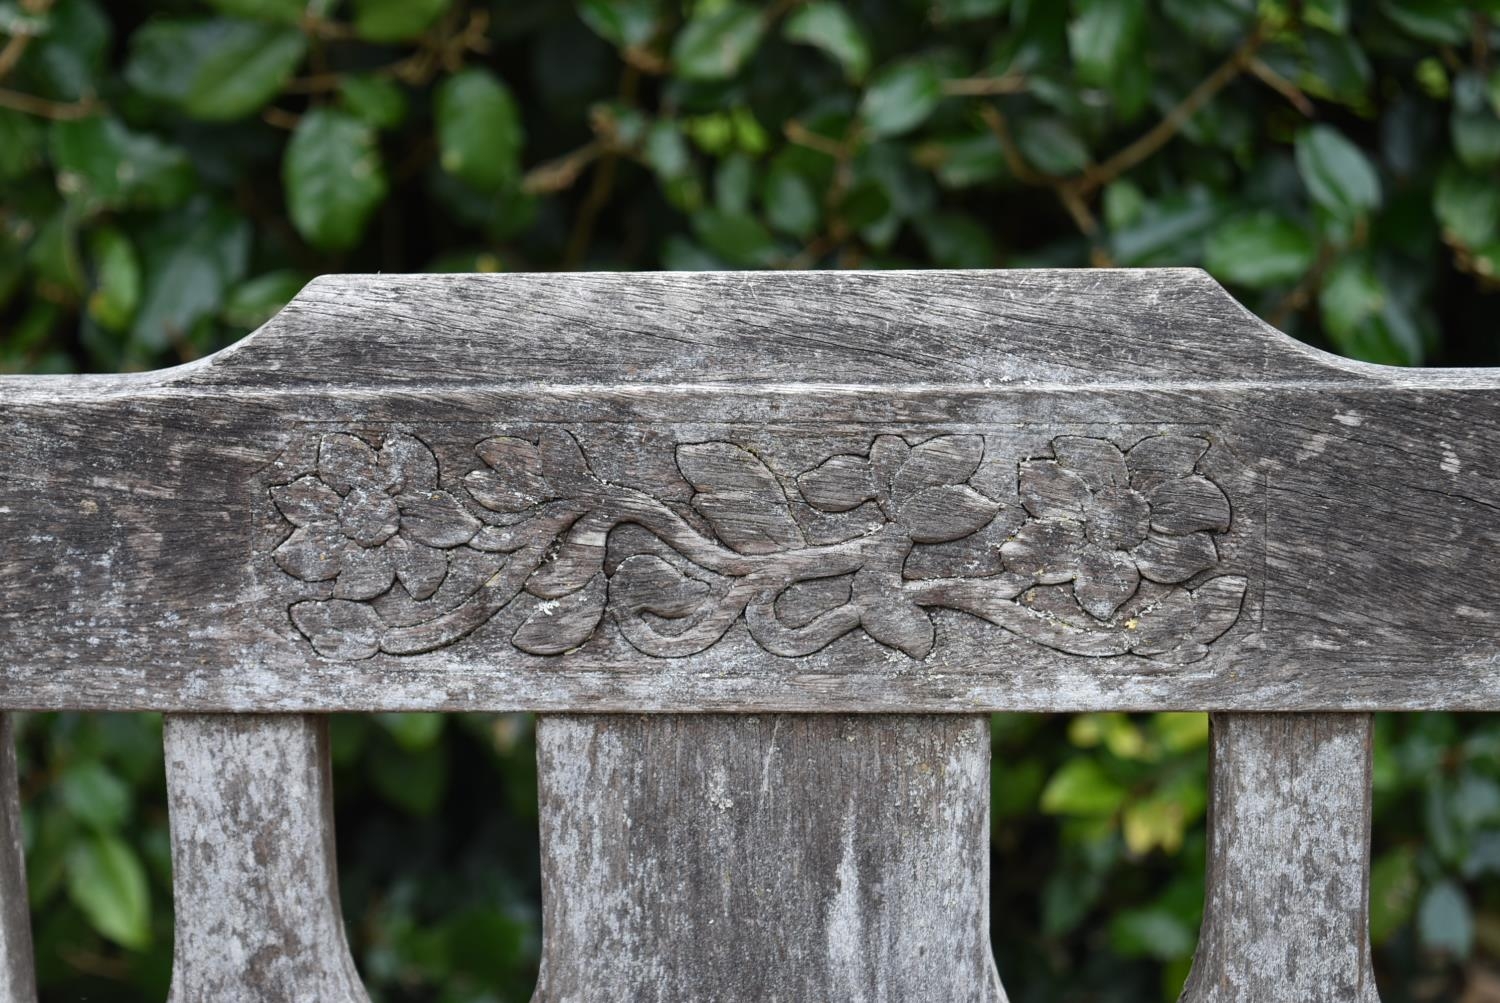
1170	125
281	118
560	173
801	135
61	111
15	46
977	87
1281	85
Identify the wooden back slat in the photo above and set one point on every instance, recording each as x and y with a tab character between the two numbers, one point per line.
17	979
1286	916
254	879
777	857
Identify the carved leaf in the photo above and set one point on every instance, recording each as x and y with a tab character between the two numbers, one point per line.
1106	578
436	519
897	623
1218	603
1172	559
1117	518
563	624
338	628
344	461
740	498
1098	461
937	515
1050	492
888	453
800	603
1046	549
645	582
1162	457
946	459
363	573
305	501
313	553
1189	504
420	569
406	464
564	466
839	484
514	481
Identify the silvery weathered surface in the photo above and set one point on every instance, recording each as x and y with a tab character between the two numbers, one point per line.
254	879
776	858
937	491
1286	915
17	983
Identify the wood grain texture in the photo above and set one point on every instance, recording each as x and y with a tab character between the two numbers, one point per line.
765	859
17	978
1286	915
954	492
254	879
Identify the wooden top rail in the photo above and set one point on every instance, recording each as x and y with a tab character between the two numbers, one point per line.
934	491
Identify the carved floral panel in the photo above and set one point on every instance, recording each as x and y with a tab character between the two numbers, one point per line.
1099	548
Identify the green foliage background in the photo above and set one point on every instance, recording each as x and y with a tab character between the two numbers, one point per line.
171	173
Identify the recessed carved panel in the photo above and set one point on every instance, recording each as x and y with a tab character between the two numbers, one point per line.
1100	547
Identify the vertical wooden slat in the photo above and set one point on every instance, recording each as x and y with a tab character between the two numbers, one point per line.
17	980
253	871
765	858
1286	912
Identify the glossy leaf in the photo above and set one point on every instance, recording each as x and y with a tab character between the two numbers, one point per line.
334	178
215	69
828	25
1338	175
479	130
717	40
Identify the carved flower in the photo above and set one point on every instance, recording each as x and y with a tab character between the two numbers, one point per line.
1103	519
368	518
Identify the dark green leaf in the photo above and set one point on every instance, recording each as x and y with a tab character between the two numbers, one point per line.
1102	34
255	301
626	23
479	130
95	796
107	882
395	20
1444	921
1393	893
717	41
117	280
791	205
20	144
1338	175
957	241
189	259
380	102
739	238
1259	250
102	164
69	60
1153	933
1475	125
1081	787
413	732
828	26
1051	146
1467	206
1441	21
280	11
1352	296
900	98
215	69
333	177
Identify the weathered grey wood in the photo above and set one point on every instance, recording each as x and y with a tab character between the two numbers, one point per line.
1286	914
17	980
254	879
765	859
945	491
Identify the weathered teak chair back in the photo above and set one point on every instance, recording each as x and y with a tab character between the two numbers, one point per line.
762	550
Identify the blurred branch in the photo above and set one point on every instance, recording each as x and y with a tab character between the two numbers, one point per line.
974	87
801	135
15	46
1172	123
60	111
1281	85
560	173
280	118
